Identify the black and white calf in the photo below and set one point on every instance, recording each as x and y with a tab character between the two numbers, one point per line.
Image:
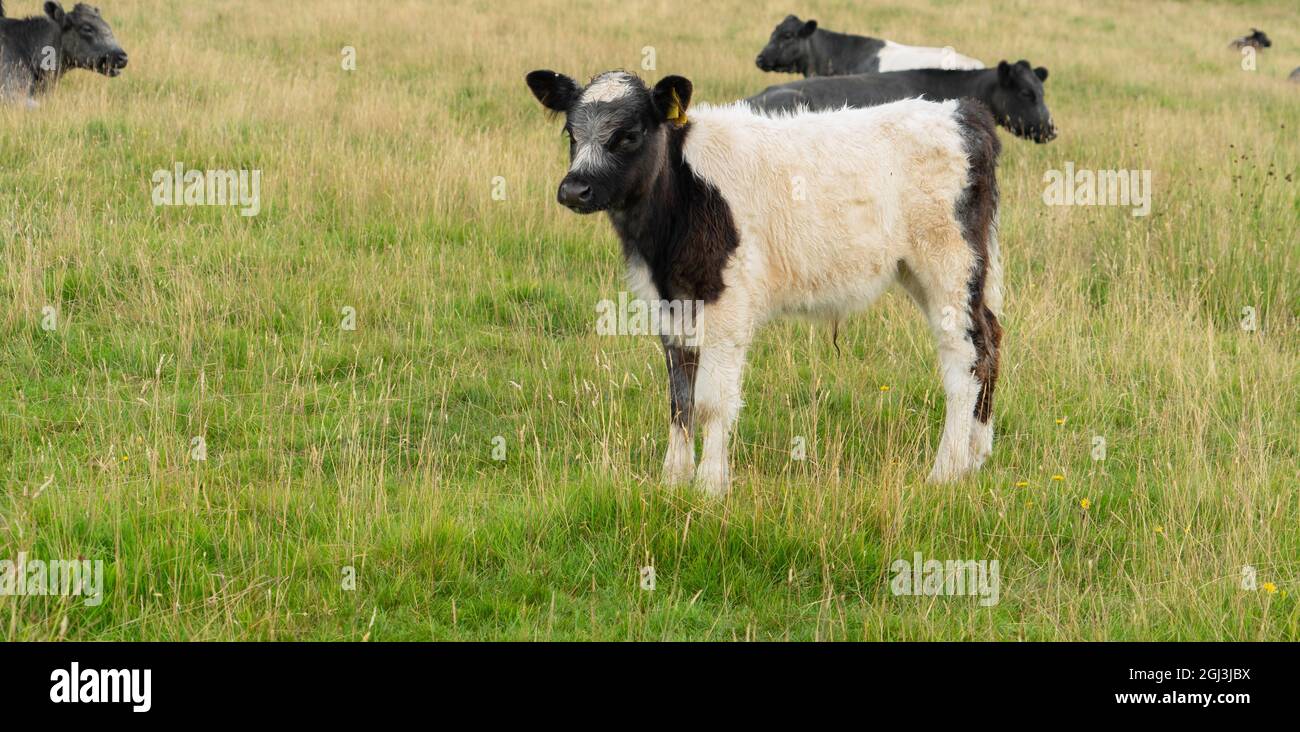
815	214
35	52
1013	92
800	47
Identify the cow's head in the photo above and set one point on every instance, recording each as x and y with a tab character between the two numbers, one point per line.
88	42
617	128
1018	102
788	48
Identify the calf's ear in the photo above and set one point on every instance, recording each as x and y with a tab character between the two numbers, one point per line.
1004	73
55	11
672	95
556	92
808	29
1041	73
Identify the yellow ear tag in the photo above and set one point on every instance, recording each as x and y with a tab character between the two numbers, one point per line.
676	113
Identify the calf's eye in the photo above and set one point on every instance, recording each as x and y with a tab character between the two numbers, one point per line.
625	141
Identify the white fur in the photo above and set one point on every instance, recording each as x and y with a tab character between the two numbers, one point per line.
639	281
899	57
679	463
879	188
608	87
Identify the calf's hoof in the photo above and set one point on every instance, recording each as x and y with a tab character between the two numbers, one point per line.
678	468
712	479
981	443
947	471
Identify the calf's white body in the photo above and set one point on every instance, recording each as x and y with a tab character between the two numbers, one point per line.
831	209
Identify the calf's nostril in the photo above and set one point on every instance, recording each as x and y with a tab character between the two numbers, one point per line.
574	193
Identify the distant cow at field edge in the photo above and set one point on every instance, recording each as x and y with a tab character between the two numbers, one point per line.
1256	39
35	52
800	47
1013	92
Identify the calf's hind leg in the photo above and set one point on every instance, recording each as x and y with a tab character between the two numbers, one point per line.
941	290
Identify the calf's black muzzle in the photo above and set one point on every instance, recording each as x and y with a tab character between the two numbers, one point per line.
576	195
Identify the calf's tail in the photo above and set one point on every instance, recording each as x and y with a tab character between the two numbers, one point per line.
977	213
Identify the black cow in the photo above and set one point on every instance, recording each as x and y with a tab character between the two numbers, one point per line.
35	52
1013	92
800	47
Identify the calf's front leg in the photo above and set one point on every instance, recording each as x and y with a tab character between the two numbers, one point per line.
682	361
717	403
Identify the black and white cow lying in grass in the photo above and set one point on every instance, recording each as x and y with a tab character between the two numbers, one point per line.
35	52
815	214
1013	92
800	47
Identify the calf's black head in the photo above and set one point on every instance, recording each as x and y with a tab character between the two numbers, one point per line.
1018	104
87	41
617	128
788	48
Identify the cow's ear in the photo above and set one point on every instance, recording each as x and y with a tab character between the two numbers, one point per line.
1004	73
55	11
1041	73
672	95
555	91
808	29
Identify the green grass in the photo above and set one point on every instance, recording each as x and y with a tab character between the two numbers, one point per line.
372	449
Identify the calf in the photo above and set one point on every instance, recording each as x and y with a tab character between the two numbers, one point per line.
1256	39
800	47
1013	92
35	52
815	214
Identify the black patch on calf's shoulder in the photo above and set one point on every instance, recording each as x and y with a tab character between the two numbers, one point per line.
682	227
975	211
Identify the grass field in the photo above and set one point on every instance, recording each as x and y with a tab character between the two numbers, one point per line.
331	451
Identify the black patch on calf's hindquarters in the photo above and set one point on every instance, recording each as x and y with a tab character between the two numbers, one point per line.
975	212
682	228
